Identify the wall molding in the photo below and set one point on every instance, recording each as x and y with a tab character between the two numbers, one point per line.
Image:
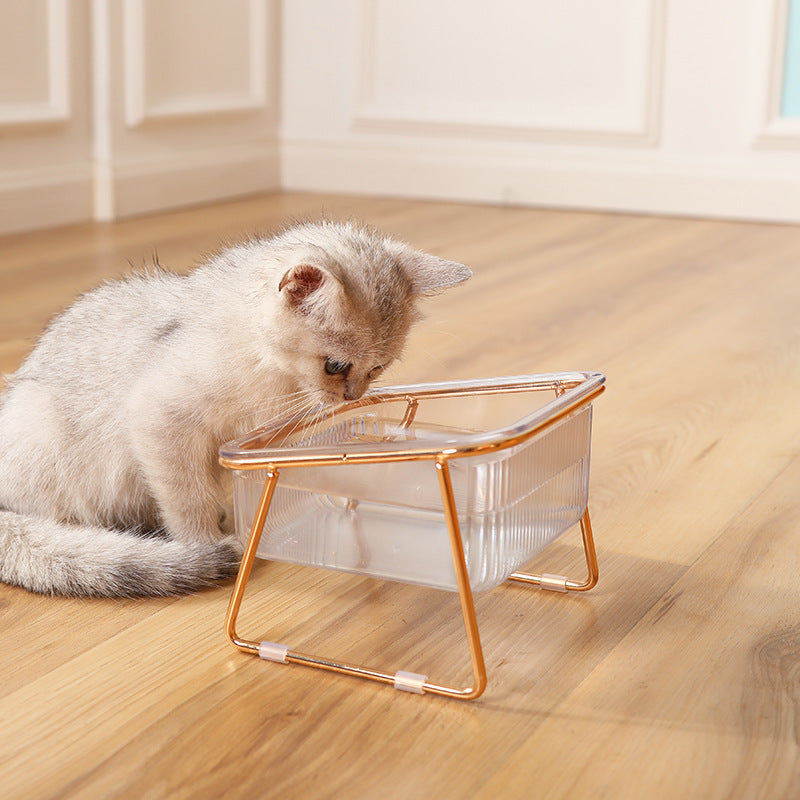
140	110
781	133
474	173
45	197
773	130
372	117
56	108
142	185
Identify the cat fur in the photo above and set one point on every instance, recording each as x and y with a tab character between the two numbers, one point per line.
110	429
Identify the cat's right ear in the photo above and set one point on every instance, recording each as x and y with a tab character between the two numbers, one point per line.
300	283
430	274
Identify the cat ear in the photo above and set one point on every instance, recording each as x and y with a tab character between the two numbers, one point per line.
431	273
300	282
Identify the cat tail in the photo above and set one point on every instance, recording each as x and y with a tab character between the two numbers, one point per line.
83	561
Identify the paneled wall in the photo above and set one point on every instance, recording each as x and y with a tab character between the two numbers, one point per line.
645	105
117	107
45	113
186	103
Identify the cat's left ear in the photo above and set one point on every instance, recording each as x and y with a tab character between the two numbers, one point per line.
432	274
301	282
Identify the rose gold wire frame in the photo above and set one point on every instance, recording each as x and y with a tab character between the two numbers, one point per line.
440	459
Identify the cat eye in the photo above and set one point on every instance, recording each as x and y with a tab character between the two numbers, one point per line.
334	367
375	371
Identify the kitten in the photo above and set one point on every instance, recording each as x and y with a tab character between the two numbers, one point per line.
110	429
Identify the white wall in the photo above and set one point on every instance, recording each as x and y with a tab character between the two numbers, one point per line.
640	105
45	119
117	107
185	102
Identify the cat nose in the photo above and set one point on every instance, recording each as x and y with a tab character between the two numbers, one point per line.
354	389
351	393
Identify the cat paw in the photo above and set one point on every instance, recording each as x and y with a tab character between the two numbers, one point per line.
234	544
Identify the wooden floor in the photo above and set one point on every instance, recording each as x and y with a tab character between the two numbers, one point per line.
678	676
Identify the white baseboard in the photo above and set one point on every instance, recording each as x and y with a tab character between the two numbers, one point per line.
45	197
647	182
48	197
145	185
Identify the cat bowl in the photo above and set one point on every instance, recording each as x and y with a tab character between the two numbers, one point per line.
453	486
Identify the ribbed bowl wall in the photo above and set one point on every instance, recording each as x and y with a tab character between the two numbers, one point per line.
519	503
511	504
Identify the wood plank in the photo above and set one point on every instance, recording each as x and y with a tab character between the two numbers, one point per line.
678	672
189	701
701	698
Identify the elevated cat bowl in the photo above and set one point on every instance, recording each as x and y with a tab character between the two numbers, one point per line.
454	486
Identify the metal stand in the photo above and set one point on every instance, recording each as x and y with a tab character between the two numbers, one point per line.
405	681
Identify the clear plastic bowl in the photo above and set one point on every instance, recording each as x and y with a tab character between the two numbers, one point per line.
360	492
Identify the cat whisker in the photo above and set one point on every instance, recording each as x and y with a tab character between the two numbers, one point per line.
282	406
302	419
319	416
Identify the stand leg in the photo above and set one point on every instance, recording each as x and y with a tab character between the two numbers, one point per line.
401	680
464	588
560	583
247	564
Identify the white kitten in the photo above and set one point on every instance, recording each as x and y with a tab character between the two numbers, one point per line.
109	431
